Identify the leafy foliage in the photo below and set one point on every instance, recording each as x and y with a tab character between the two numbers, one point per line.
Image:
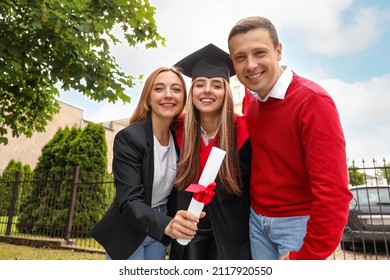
8	183
55	152
89	150
355	177
46	211
44	44
385	172
37	211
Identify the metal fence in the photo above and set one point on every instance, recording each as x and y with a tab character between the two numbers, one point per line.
53	207
367	232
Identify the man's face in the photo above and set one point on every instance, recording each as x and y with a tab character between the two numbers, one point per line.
255	60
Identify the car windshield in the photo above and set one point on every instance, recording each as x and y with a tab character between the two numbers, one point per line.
372	196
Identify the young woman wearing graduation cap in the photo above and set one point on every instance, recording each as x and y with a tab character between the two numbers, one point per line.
136	226
210	121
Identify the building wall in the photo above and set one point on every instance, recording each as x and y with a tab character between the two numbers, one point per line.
111	129
238	91
28	150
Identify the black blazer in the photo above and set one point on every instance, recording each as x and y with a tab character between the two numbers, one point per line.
130	217
228	213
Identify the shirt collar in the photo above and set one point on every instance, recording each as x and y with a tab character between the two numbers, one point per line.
280	88
207	139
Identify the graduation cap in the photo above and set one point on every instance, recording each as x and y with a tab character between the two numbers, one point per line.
209	61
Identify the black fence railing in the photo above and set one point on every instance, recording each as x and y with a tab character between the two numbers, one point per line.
63	206
367	232
59	206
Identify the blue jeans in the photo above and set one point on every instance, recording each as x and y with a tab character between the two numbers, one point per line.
271	238
150	249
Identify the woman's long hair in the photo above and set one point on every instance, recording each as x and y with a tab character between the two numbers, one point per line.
188	167
143	108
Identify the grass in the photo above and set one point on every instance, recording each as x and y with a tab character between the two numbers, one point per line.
80	242
18	252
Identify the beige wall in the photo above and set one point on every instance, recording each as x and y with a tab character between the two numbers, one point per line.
111	129
28	150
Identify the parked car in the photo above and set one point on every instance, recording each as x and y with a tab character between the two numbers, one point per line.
369	216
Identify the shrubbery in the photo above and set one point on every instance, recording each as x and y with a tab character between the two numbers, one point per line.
45	212
7	187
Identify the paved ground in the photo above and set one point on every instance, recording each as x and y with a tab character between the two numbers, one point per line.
370	253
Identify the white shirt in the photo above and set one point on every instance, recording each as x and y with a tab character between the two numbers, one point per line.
280	88
165	159
207	139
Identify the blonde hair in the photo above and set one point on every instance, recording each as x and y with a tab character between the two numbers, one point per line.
187	170
143	108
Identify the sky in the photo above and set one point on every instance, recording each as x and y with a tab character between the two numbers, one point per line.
342	45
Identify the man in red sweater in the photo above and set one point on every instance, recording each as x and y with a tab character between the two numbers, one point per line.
299	183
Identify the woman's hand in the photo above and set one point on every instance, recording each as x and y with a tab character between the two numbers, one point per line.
183	225
285	256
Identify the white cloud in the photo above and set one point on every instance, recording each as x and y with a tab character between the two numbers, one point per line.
326	27
330	27
109	111
344	37
364	112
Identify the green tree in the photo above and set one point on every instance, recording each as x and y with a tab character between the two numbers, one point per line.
54	156
8	183
38	209
45	44
385	172
46	211
355	177
55	152
89	151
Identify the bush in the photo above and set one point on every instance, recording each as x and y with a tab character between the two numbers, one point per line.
46	210
8	183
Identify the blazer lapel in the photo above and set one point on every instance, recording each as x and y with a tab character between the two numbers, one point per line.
148	165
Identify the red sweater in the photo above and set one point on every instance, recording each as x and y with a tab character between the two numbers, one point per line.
299	164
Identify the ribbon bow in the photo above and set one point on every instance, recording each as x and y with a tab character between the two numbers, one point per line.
201	193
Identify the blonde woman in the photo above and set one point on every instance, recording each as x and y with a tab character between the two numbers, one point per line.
210	121
137	226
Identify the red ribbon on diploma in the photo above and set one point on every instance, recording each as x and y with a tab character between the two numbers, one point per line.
201	193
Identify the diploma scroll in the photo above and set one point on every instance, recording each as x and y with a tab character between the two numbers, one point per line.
206	180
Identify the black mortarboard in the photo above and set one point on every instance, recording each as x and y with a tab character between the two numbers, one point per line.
210	61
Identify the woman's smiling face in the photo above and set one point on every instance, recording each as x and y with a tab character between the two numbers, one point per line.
167	96
208	94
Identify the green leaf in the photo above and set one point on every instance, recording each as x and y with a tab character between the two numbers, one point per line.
46	43
16	65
